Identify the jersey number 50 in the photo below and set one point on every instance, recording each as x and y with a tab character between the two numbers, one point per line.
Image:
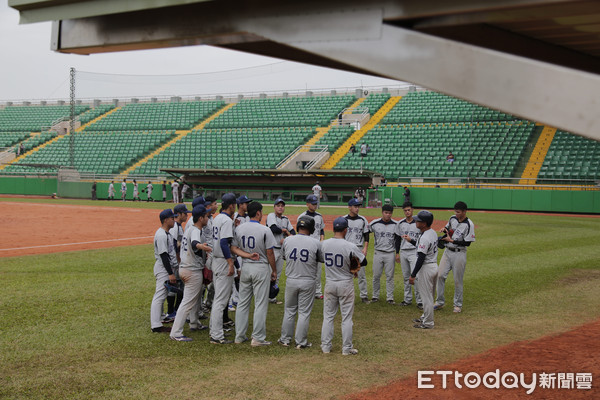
334	260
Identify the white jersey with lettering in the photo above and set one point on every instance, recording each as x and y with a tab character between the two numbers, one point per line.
254	238
177	232
191	257
222	228
463	231
407	228
427	244
319	223
357	227
384	234
163	243
337	254
281	222
242	219
303	253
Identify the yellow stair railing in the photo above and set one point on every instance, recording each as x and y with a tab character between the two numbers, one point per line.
532	169
356	136
30	152
98	118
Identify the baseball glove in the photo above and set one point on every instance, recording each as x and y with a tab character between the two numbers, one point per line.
354	265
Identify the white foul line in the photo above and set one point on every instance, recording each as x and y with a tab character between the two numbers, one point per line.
75	244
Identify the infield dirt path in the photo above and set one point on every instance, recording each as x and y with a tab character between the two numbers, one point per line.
576	351
41	228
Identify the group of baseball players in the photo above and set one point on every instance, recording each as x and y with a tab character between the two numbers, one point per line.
178	193
229	257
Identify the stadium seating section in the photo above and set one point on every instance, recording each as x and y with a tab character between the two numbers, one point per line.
34	118
229	148
283	112
421	107
101	153
571	157
480	150
412	140
157	116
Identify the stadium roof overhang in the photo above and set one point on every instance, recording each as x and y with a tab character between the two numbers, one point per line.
274	177
539	59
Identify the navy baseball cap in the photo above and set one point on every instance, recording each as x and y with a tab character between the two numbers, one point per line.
340	223
228	199
181	209
199	211
354	202
279	200
164	214
197	201
243	199
312	199
424	216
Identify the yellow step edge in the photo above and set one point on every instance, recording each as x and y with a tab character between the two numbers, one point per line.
178	136
22	156
98	118
357	135
532	169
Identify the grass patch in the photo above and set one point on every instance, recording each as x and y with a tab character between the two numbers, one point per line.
76	325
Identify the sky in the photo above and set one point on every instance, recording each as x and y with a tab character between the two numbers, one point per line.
31	71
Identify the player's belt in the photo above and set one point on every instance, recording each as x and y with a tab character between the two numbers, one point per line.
456	250
385	251
278	248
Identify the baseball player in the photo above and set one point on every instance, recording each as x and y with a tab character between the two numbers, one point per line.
111	190
164	191
408	257
136	192
241	215
317	192
173	301
281	227
193	255
123	189
426	268
184	191
166	259
459	234
384	229
223	266
358	233
175	190
256	275
339	287
303	254
149	189
312	203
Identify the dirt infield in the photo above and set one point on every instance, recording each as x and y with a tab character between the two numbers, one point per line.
41	228
576	351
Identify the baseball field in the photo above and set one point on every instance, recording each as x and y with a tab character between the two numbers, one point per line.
77	284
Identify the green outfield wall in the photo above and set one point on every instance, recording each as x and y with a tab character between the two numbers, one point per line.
570	201
28	186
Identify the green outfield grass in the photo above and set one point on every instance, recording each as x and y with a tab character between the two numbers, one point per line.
76	324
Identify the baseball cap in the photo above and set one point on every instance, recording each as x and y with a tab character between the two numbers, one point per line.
306	222
424	216
312	199
354	202
197	201
164	214
199	211
228	199
340	223
181	209
279	200
243	199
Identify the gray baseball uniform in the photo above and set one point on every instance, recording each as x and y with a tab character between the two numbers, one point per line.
319	230
427	275
190	271
255	279
222	228
339	290
357	228
163	243
282	223
111	190
384	256
303	254
455	259
408	256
